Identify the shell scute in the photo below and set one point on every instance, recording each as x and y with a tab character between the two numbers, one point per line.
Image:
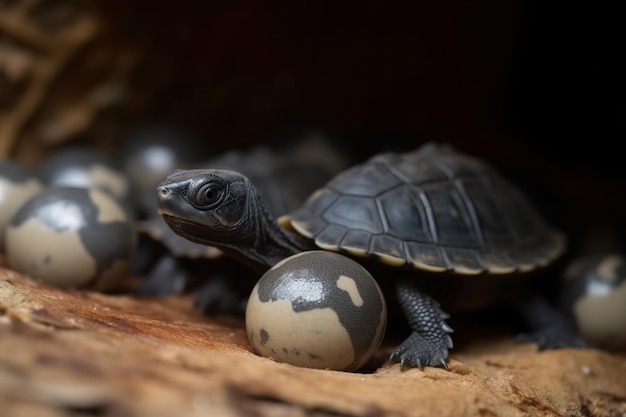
452	221
408	170
331	237
366	180
357	242
434	209
490	211
404	214
355	212
465	261
389	249
320	200
498	261
425	256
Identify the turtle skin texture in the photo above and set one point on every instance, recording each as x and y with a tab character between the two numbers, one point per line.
425	214
283	177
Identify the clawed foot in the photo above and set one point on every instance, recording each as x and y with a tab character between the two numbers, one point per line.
165	278
430	340
550	327
553	338
217	296
418	352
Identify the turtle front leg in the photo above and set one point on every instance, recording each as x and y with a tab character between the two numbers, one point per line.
429	341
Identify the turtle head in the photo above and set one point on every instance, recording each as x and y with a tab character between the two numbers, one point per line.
223	209
208	206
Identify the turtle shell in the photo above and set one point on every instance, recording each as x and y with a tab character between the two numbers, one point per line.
433	209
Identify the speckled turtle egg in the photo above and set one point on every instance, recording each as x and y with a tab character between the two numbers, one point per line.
85	167
594	291
73	238
317	309
17	185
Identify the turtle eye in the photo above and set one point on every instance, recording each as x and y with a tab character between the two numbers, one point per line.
207	195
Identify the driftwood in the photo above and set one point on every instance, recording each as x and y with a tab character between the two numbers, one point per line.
68	353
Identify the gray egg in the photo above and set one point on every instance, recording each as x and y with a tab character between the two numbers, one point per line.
149	153
17	185
73	238
317	309
85	168
594	291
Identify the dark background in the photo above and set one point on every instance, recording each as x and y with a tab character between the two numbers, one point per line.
532	87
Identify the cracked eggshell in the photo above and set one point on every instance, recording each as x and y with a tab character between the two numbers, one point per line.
317	309
72	238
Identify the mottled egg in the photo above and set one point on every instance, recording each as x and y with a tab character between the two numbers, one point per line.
84	167
149	153
17	185
317	309
73	238
594	291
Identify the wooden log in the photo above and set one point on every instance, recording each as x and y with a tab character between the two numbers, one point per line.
76	353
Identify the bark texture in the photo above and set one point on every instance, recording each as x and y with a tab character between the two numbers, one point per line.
69	353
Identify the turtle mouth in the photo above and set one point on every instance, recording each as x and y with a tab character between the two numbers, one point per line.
185	228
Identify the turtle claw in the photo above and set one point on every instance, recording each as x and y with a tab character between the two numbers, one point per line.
551	338
417	352
403	362
549	327
430	340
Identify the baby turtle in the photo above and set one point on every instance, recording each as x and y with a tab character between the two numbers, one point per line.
284	177
434	215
